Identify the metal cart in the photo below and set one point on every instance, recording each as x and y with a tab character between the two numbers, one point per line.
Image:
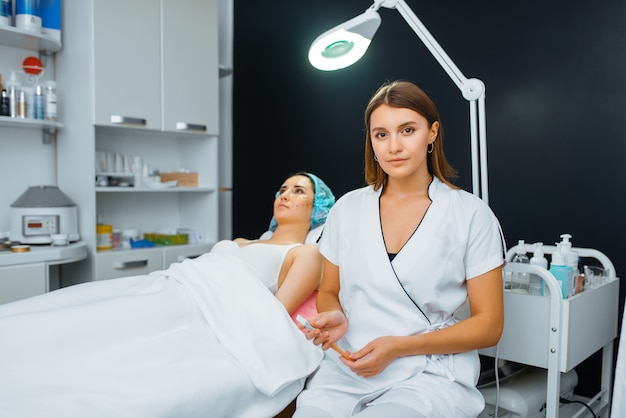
558	334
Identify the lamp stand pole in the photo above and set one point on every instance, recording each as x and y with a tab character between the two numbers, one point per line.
473	90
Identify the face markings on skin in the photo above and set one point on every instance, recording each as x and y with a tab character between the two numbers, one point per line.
297	191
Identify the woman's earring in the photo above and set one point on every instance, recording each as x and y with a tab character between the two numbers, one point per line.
375	158
431	147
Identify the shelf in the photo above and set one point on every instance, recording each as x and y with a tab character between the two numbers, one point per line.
18	38
29	123
157	190
49	129
46	254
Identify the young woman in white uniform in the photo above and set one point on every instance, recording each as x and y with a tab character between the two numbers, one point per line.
401	256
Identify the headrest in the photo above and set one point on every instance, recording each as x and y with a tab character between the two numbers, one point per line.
311	237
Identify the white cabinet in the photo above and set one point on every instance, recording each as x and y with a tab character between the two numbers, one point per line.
32	273
147	60
19	282
113	264
126	63
190	71
155	66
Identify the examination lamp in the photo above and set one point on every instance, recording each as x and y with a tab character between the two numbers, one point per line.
345	44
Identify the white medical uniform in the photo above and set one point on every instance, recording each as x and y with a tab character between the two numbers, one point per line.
420	291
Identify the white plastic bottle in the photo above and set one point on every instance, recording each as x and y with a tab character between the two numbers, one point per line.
50	102
571	260
536	284
13	89
520	281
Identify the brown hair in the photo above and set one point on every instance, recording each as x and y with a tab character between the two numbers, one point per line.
404	94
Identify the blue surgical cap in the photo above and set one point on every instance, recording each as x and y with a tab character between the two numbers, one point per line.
323	201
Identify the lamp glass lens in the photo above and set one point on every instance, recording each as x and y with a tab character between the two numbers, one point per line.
337	50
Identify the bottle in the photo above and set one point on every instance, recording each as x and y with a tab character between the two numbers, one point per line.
536	284
50	96
38	103
571	259
21	105
5	105
5	13
13	88
104	235
562	272
520	281
27	15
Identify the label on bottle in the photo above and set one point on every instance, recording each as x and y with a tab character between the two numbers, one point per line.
50	106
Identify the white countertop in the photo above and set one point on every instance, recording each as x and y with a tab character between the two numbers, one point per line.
45	254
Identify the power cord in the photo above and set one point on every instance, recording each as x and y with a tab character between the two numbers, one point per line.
497	370
568	401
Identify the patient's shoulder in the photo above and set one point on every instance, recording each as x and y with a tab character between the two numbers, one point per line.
306	250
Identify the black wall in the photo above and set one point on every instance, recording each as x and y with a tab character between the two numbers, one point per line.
555	76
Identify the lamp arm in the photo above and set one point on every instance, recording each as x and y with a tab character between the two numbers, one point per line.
473	90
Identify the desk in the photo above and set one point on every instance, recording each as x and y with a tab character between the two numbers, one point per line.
32	273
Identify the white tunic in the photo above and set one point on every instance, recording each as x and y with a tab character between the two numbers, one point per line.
420	291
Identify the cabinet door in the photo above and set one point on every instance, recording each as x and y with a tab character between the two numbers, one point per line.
190	66
23	281
177	254
127	75
114	264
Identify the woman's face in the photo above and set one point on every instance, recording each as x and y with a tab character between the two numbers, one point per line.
294	200
400	140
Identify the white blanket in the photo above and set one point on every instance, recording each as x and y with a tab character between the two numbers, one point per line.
248	320
200	340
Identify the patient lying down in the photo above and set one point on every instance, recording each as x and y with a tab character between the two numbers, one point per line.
203	338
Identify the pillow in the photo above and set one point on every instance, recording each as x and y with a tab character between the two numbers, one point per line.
311	238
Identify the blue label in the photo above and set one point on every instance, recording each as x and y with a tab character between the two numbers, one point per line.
27	7
5	8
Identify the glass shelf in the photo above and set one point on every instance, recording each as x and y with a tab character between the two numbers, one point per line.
19	38
9	122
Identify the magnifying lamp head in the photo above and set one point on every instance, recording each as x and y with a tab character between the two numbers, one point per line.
344	44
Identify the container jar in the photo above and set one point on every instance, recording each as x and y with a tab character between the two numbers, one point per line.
129	234
104	237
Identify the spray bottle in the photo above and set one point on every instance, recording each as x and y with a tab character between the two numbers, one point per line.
536	284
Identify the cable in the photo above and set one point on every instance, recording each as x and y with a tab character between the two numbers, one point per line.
497	369
568	401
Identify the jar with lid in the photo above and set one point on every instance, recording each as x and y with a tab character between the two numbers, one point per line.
104	237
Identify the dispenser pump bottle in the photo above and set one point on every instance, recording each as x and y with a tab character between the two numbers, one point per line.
563	273
519	281
571	260
536	284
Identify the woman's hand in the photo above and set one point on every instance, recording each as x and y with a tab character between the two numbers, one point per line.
330	327
374	357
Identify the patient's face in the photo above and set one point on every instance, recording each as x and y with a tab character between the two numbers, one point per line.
294	200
